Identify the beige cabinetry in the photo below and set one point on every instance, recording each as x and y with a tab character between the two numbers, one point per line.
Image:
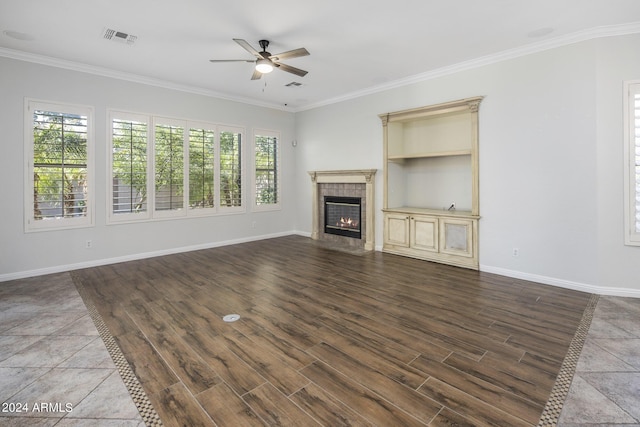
396	229
459	236
430	205
423	232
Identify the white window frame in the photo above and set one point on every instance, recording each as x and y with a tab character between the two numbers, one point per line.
172	213
243	170
31	224
632	146
254	196
195	212
113	218
186	211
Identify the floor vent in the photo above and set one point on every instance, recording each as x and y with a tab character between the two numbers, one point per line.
231	318
118	36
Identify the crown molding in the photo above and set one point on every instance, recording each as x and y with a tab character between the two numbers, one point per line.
130	77
552	43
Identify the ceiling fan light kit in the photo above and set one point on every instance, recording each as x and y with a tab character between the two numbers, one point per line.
265	62
264	66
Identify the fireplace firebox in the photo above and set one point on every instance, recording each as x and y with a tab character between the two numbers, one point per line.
343	216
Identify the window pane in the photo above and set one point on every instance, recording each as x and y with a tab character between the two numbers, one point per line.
129	166
169	167
201	168
266	156
59	165
230	169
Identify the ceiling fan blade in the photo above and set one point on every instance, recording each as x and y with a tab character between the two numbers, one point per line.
290	69
232	60
248	47
256	75
291	54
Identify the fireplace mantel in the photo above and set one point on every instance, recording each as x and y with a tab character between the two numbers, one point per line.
358	176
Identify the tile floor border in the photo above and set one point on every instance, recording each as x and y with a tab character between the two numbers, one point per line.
139	396
553	408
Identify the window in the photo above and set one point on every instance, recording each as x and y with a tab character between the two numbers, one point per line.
266	178
129	181
202	168
59	152
167	168
169	147
230	168
632	163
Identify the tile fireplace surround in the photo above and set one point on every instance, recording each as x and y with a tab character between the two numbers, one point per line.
341	183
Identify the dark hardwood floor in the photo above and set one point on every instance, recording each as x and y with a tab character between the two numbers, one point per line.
335	339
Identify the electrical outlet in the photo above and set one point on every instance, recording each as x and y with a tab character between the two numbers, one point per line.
516	252
88	244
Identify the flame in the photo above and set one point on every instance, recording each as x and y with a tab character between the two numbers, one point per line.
347	223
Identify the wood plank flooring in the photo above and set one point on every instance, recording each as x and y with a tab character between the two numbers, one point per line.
334	339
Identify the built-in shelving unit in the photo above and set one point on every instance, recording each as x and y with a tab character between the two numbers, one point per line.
430	206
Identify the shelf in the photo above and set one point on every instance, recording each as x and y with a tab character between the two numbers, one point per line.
428	155
431	211
430	163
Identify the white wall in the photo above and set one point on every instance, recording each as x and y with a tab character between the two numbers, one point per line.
23	254
550	159
551	171
618	60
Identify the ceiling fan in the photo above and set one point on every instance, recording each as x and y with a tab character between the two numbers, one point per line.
266	62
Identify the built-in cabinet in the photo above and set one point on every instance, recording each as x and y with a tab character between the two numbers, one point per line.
430	203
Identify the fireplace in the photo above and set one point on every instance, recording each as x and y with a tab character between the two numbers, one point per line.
343	216
351	230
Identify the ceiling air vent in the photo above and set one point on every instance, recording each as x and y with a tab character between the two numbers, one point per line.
118	36
292	84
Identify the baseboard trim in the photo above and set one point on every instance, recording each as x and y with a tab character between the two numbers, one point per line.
302	233
562	283
134	257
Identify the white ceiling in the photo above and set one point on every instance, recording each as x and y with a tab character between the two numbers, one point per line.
356	46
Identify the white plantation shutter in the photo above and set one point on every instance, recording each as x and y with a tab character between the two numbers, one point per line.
266	170
129	166
169	165
163	168
59	180
632	163
129	184
231	174
202	162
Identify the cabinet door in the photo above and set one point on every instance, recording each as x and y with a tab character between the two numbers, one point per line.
396	229
424	233
456	236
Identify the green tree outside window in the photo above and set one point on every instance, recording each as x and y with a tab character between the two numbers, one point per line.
59	165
